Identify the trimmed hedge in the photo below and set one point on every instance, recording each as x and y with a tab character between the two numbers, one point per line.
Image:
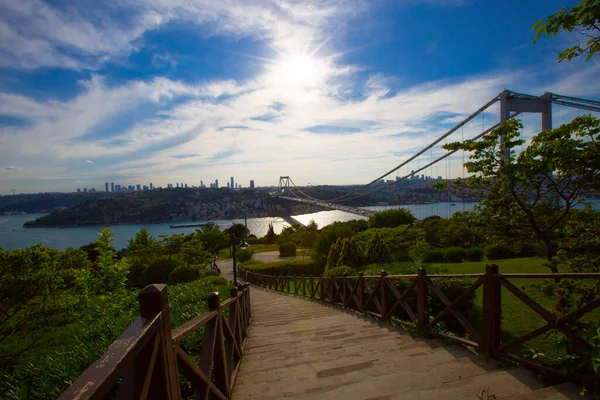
243	255
287	249
339	271
454	254
474	254
498	252
287	267
184	273
435	256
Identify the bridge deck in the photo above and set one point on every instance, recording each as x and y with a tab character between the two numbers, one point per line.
300	349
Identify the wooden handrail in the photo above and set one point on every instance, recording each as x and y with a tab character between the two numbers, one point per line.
147	357
377	296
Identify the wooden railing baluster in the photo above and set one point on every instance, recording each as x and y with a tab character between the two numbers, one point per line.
422	299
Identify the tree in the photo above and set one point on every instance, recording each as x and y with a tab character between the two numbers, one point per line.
531	194
377	251
334	254
583	19
238	230
212	237
391	218
351	254
419	251
271	236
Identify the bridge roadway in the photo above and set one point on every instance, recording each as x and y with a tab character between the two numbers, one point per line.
352	210
299	349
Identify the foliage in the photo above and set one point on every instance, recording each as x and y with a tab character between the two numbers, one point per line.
391	218
580	247
271	236
212	237
377	251
474	254
251	262
419	251
454	254
351	254
334	254
398	239
498	252
583	19
531	194
288	267
159	271
243	255
184	273
237	230
287	249
435	256
330	234
464	229
338	271
526	250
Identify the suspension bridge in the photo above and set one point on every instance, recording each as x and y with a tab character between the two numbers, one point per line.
512	104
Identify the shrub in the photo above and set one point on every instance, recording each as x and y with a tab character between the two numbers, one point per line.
391	218
454	254
527	250
251	262
159	271
474	254
243	255
435	256
184	273
339	271
288	267
287	249
334	254
377	251
419	251
498	252
351	254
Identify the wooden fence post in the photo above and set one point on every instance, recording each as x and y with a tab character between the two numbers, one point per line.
422	299
383	290
361	291
345	292
322	288
154	300
492	306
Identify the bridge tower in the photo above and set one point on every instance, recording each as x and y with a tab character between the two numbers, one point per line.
284	184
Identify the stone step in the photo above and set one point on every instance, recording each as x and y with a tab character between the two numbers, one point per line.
563	391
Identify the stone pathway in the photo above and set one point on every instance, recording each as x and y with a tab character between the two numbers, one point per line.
299	349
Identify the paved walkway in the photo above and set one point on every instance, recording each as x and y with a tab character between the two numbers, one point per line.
299	349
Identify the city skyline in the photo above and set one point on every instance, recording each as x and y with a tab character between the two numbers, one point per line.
325	91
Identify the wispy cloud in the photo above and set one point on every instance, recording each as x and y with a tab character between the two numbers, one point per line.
12	168
89	162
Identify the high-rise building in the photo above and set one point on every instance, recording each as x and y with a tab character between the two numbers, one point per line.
138	187
78	190
151	186
232	186
106	186
186	185
228	185
112	186
251	184
216	183
201	184
84	190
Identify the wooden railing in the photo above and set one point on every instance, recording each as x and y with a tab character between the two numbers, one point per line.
146	361
379	297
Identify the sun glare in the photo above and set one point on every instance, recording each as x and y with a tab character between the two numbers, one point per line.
298	70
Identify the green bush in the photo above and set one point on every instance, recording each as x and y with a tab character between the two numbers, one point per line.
377	251
435	256
474	254
287	249
351	254
184	273
391	218
243	255
454	254
251	262
334	254
498	252
288	267
159	271
527	250
339	271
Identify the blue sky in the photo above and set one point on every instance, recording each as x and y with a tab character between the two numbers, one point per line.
326	91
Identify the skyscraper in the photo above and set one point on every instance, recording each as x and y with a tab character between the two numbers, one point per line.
112	186
232	185
138	187
252	184
216	183
201	184
106	186
151	186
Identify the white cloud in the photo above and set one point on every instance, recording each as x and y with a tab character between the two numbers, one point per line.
12	168
89	162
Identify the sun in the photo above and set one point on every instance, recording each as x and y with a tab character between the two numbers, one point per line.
299	70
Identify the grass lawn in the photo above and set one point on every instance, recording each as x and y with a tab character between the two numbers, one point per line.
257	248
